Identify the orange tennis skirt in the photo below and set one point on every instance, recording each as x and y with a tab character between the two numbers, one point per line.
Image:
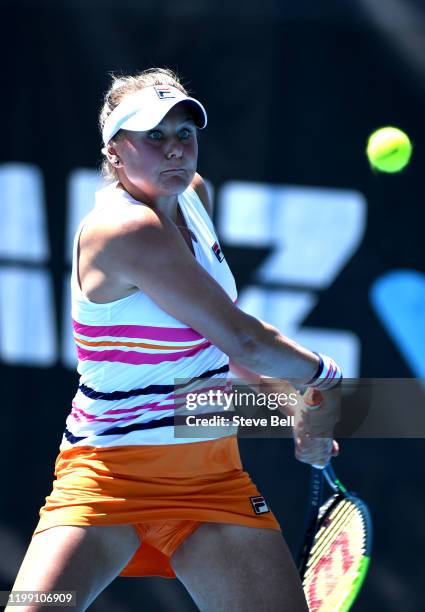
164	491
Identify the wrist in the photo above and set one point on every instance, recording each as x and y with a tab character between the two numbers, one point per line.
328	374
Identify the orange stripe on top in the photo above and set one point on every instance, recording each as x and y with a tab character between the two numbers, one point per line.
135	344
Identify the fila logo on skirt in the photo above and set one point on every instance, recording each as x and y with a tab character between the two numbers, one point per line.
259	504
217	251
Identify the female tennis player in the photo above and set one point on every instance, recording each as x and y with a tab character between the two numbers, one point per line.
153	300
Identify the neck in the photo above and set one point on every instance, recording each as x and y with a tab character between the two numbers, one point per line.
167	204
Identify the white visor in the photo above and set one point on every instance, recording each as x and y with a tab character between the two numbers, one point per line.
144	109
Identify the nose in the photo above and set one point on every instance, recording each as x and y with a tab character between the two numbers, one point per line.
173	149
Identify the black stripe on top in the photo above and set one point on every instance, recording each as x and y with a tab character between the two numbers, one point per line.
164	422
150	389
169	421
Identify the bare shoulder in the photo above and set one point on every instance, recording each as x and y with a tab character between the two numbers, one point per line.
109	225
199	186
111	240
115	233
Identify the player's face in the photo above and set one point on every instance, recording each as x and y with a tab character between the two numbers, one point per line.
161	161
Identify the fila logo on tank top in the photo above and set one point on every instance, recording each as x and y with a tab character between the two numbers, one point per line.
217	251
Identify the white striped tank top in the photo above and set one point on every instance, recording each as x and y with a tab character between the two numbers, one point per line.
130	351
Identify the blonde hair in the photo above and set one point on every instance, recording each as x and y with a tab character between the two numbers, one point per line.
122	86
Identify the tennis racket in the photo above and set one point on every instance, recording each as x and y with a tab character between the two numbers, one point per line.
335	556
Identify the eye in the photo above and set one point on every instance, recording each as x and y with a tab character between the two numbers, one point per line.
155	135
185	133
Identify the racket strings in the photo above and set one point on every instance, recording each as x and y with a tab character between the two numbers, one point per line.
349	531
336	561
339	518
327	535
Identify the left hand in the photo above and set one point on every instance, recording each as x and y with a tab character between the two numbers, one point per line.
313	430
315	451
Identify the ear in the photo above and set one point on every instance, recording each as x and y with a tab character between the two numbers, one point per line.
112	154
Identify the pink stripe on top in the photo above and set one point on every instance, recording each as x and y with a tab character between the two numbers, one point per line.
92	418
172	334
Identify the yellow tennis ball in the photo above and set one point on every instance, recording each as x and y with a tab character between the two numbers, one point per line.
389	149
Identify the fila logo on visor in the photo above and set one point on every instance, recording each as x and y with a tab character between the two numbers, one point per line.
259	504
164	93
217	251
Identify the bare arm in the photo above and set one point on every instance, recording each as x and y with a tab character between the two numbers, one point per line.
248	376
148	252
264	384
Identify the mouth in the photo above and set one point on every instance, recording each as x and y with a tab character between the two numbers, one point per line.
174	171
